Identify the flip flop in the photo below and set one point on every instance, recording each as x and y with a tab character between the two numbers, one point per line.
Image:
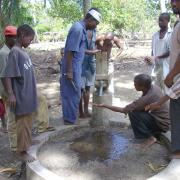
50	128
47	129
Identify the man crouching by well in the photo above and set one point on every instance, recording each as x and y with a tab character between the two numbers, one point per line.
145	125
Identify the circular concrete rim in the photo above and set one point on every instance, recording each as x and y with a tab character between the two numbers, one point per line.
36	171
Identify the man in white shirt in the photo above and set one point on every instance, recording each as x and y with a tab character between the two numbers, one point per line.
160	51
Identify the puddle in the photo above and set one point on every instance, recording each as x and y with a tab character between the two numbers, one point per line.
99	154
100	146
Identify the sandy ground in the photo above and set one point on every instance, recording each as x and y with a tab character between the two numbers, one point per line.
129	64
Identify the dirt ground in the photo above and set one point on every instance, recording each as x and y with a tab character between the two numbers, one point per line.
45	59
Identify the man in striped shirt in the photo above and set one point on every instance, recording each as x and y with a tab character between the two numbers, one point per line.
172	81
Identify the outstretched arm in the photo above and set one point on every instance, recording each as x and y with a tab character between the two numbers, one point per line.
112	108
92	52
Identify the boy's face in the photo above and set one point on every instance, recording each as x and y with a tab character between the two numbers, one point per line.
163	22
137	86
26	40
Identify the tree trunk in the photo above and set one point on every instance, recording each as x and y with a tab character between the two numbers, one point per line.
86	6
163	6
44	3
0	7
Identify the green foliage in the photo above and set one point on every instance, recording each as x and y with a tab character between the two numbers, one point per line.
69	10
14	13
120	14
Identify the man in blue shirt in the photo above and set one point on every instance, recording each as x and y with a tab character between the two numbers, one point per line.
72	65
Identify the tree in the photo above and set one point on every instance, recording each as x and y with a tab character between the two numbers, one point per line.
163	5
14	12
86	6
69	10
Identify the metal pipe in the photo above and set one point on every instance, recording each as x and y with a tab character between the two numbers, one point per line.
100	89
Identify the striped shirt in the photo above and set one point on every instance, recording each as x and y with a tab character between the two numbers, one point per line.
174	91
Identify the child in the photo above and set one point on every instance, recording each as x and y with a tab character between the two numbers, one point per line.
20	85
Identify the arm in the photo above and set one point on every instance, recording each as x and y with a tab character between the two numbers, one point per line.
69	65
8	87
139	104
118	44
92	52
173	93
112	108
73	41
176	70
165	55
158	104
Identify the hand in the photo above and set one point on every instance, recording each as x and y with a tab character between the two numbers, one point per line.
148	60
12	101
96	51
168	81
70	76
98	105
152	107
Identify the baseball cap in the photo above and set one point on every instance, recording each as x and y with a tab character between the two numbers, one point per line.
10	31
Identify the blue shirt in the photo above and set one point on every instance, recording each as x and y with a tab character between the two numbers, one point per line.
75	42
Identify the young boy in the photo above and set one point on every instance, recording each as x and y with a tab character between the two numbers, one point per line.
20	84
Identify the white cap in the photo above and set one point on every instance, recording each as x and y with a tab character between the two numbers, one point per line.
95	14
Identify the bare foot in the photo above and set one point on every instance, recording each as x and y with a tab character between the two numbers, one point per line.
149	142
82	115
4	130
87	114
68	123
35	142
25	157
175	155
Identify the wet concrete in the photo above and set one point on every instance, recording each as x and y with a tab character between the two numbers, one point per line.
100	145
101	154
